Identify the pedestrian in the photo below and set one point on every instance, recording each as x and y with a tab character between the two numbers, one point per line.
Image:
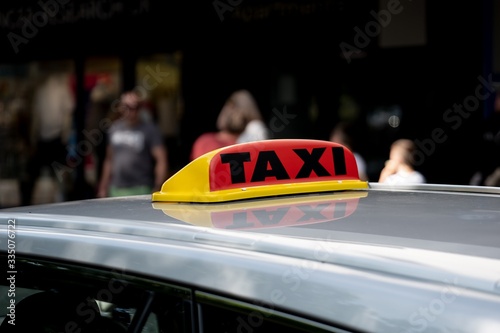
400	169
136	158
51	126
239	110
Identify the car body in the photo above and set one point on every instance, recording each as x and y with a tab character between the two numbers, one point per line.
296	255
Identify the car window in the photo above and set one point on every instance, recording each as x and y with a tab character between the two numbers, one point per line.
221	314
60	297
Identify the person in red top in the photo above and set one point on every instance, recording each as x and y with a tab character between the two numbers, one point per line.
239	109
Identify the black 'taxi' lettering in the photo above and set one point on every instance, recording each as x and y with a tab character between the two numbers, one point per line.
339	161
236	166
261	172
311	163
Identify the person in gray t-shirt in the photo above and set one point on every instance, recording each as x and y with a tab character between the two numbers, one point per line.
136	159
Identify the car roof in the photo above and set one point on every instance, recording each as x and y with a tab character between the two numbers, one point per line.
442	238
364	258
460	219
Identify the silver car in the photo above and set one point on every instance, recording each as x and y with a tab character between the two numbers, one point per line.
278	236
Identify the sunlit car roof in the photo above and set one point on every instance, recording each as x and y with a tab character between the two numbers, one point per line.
440	218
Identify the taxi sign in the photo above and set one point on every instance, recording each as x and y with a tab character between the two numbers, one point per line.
263	169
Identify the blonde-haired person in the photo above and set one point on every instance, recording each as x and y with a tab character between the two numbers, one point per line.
255	128
399	169
239	110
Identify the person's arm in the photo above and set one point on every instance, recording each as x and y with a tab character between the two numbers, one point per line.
391	167
102	190
159	153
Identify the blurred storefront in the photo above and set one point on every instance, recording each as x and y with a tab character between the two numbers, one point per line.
158	80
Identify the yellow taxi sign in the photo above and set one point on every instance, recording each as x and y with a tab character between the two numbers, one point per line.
263	169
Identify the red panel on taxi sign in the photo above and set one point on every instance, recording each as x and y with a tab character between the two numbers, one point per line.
274	162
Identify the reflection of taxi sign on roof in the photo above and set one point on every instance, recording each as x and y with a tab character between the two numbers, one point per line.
257	214
263	169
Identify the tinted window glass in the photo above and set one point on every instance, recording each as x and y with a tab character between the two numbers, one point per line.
56	297
220	314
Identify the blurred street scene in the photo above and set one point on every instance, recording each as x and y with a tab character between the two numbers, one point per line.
418	70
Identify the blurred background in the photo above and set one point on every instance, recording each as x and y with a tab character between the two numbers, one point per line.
427	71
